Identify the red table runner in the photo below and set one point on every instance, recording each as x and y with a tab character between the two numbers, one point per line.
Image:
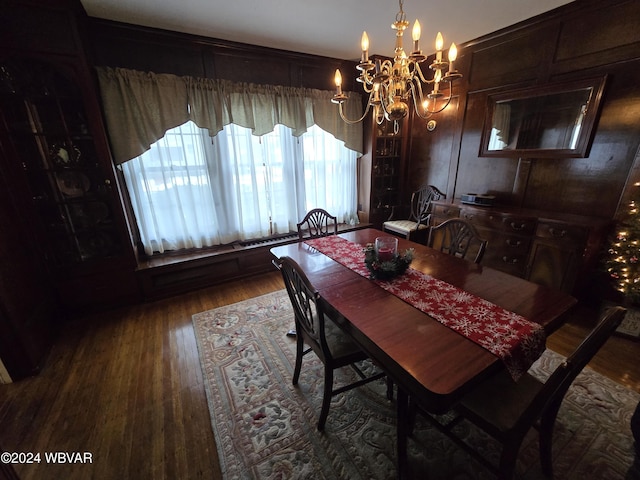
509	336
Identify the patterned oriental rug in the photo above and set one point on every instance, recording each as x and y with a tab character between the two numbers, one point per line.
265	428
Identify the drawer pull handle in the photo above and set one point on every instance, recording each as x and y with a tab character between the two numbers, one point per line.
512	261
513	243
557	233
521	226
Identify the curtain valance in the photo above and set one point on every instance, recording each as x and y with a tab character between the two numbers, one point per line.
141	106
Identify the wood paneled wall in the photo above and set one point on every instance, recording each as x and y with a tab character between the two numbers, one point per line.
117	44
582	39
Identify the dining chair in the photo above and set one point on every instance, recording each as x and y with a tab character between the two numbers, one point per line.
317	223
457	237
419	216
506	410
322	335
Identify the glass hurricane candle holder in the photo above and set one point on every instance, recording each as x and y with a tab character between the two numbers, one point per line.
386	248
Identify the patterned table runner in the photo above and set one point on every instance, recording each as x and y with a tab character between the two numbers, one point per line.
514	339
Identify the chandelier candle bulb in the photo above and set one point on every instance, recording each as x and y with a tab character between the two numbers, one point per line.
453	54
437	77
338	80
415	34
365	47
439	45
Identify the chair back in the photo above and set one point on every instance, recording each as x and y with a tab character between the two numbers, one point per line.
307	308
317	223
554	389
457	237
421	203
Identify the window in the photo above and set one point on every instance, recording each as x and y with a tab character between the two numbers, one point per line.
191	190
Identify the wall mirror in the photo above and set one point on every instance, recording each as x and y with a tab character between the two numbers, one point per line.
554	120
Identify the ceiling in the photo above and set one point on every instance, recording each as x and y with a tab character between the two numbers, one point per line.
330	28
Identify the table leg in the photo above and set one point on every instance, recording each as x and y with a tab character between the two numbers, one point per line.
402	432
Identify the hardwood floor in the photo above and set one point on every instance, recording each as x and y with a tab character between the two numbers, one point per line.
126	386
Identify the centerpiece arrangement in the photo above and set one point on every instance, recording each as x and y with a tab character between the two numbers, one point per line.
383	261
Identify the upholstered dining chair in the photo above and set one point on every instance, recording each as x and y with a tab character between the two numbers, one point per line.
317	223
419	217
506	410
322	336
457	237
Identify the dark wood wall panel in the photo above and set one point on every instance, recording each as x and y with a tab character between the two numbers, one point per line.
482	175
117	44
431	164
140	49
583	39
253	69
21	30
514	59
604	172
600	33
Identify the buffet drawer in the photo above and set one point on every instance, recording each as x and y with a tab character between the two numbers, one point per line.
505	252
482	219
562	232
508	262
444	212
521	225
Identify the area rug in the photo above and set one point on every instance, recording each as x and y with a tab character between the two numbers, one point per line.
265	428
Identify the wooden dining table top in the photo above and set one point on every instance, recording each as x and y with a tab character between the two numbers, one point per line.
428	359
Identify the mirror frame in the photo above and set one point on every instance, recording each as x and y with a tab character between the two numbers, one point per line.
584	137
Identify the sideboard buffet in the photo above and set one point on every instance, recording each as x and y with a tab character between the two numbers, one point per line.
548	248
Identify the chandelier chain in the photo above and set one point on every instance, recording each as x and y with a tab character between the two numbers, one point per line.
401	16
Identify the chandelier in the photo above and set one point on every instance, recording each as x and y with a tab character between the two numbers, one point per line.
393	84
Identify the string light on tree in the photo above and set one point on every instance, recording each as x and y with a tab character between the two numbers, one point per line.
623	260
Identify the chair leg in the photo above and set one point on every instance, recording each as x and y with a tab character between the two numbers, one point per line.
299	355
547	422
412	415
326	397
389	388
508	460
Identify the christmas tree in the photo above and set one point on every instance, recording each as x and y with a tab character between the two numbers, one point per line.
623	259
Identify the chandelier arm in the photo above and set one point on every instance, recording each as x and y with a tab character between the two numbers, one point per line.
383	103
416	92
386	63
448	100
353	122
421	75
417	86
425	115
446	104
367	86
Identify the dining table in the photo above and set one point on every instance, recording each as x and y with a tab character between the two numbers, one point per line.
426	358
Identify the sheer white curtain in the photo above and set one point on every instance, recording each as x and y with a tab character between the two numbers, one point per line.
191	190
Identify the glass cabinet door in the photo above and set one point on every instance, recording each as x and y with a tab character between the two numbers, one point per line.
44	115
386	167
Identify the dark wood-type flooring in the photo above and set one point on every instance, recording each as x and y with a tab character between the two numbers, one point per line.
126	386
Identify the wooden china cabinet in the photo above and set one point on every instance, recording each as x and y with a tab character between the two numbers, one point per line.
382	169
56	162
